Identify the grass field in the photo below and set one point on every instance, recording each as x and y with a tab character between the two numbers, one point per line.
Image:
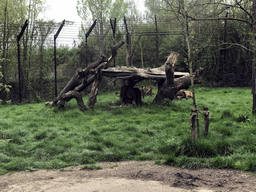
34	136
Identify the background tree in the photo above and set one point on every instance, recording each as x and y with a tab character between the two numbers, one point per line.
44	29
102	10
13	11
219	35
29	42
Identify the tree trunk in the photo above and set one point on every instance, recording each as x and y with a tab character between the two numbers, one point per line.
254	61
95	88
169	87
80	81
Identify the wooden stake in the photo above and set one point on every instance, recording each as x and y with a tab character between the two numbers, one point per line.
197	124
206	120
193	123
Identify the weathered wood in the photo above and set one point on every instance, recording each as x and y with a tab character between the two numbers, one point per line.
169	82
79	77
167	89
80	81
192	124
132	72
73	94
94	91
197	126
207	114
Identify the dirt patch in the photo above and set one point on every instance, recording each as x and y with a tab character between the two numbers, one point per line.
129	176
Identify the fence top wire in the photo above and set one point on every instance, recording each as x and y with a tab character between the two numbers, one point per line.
71	30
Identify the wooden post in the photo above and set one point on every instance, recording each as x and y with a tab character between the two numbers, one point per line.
193	123
206	120
197	125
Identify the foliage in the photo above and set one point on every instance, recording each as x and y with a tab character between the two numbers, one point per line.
102	11
221	47
92	167
3	87
33	136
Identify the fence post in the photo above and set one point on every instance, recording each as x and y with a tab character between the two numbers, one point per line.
55	59
113	26
207	114
197	126
192	124
128	44
19	67
157	44
86	36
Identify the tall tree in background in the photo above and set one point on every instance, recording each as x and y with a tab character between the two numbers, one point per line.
11	14
34	9
30	42
192	14
102	10
253	16
44	29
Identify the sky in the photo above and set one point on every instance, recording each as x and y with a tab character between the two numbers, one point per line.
66	9
59	10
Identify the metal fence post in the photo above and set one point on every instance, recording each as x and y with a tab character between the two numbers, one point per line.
113	26
19	67
55	59
86	36
157	44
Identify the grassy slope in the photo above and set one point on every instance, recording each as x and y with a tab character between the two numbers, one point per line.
34	136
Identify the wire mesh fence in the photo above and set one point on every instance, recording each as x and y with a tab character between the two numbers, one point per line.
37	75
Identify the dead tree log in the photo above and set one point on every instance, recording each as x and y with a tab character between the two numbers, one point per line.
169	82
95	88
82	79
170	86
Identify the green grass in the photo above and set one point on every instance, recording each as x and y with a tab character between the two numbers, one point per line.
92	167
113	166
33	136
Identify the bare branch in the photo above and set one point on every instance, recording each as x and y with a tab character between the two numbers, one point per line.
241	7
220	18
236	44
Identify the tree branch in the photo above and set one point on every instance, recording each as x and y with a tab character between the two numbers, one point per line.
237	44
241	7
220	18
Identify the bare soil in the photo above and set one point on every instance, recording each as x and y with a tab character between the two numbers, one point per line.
129	176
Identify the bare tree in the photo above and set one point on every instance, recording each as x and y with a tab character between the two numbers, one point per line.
187	12
101	10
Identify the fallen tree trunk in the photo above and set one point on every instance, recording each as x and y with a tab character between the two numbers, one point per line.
169	87
80	81
169	82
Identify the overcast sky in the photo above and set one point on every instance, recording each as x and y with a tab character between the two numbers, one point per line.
59	10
